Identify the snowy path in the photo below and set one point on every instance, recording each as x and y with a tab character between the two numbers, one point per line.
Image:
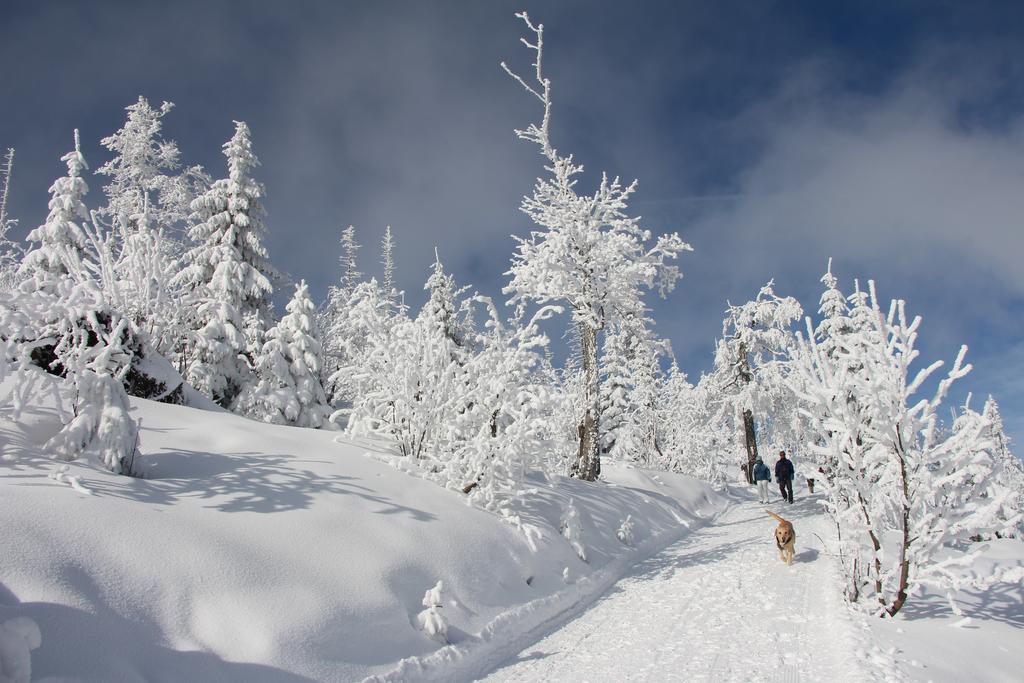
716	606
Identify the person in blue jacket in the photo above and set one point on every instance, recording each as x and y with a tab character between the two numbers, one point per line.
763	477
784	475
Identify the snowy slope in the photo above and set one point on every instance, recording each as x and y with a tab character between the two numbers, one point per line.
256	552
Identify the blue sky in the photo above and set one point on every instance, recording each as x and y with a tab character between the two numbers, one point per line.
771	135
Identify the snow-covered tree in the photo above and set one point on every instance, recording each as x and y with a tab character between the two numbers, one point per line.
356	343
616	387
501	428
692	442
387	253
589	254
289	369
143	173
341	340
631	391
902	489
229	273
8	249
1010	472
67	328
350	274
750	369
60	242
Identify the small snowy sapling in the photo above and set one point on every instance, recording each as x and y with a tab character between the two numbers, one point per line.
625	532
18	637
572	529
431	621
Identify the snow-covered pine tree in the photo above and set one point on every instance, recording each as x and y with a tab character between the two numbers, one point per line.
60	242
341	342
834	313
647	379
229	273
749	369
589	254
615	393
1010	473
350	274
290	391
387	252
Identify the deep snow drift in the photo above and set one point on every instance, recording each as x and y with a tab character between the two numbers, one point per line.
256	552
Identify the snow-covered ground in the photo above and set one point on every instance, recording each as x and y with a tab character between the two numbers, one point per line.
253	552
986	643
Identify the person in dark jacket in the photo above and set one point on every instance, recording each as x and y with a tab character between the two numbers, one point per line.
784	475
762	476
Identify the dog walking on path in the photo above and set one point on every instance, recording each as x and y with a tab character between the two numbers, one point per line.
785	538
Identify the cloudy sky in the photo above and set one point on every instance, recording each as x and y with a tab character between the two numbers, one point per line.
771	135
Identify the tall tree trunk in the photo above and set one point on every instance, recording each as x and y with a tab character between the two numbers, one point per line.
901	590
588	463
750	439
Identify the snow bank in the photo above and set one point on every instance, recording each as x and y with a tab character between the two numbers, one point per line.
931	643
265	553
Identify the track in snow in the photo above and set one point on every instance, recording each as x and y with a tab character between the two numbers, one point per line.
717	605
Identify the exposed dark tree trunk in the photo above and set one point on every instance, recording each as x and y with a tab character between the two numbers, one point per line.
750	440
588	463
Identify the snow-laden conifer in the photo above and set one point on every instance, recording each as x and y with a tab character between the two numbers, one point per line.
1010	472
387	253
289	390
59	243
229	273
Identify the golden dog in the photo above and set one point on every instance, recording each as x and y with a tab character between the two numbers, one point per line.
785	538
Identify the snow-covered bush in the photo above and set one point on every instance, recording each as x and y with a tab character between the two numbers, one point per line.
18	637
430	620
572	529
900	488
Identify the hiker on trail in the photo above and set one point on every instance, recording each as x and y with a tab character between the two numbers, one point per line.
763	476
784	475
